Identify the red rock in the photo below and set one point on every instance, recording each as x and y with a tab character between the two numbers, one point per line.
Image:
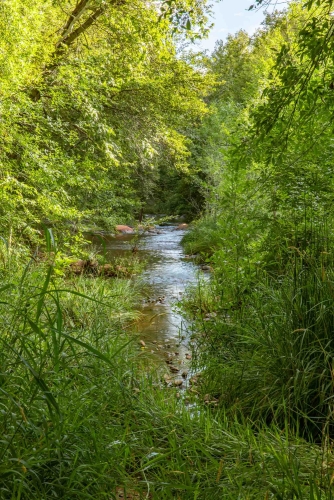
124	229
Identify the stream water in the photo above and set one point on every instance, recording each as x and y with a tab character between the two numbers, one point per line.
162	329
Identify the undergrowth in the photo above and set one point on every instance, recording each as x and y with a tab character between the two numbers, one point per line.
79	419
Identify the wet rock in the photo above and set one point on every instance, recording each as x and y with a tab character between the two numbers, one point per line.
178	382
124	229
174	369
182	226
188	356
206	268
184	374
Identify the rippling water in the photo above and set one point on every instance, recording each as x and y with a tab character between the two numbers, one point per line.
161	327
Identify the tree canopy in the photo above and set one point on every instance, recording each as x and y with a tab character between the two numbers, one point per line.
92	99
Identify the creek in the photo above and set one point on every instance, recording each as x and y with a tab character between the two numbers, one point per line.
162	329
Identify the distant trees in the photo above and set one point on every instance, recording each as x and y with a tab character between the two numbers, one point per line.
91	96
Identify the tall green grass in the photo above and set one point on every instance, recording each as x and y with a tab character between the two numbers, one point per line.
62	378
269	352
79	419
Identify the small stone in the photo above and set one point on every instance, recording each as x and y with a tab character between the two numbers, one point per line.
184	374
142	343
178	382
188	356
174	369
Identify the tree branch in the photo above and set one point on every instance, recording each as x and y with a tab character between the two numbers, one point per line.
73	18
67	41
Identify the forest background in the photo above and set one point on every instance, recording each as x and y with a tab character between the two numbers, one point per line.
106	111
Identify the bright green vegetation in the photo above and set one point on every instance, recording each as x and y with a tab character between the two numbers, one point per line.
80	418
92	102
102	115
264	323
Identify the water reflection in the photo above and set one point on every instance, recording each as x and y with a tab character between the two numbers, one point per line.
161	326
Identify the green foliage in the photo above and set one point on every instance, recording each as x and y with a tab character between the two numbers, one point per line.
78	419
90	107
264	322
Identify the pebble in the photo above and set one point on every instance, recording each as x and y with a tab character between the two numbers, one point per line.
178	382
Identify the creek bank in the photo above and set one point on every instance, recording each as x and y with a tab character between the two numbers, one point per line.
91	267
